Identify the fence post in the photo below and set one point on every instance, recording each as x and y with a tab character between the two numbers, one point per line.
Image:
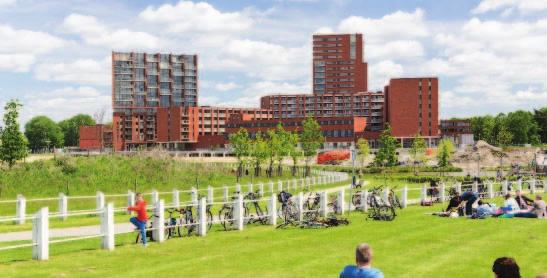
270	184
238	212
63	206
386	196
272	208
130	199
300	204
490	190
279	186
40	235
404	197
202	225
475	186
341	201
250	187
504	187
155	196
532	186
21	209
423	194
225	193
545	185
100	200
459	187
238	188
210	194
442	193
158	222
107	227
323	204
261	189
194	196
364	203
176	198
519	184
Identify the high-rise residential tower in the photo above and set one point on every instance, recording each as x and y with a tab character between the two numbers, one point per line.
338	64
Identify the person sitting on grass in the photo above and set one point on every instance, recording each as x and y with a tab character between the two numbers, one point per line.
506	267
537	210
469	197
142	217
363	269
523	201
454	203
510	205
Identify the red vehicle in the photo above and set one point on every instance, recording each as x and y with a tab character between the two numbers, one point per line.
333	156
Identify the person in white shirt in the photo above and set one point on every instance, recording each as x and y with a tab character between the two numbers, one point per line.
510	204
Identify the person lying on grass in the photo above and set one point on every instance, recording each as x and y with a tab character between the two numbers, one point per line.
142	217
523	201
363	269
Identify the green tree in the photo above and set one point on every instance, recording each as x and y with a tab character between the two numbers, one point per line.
445	148
294	152
241	146
258	152
540	116
275	145
13	145
311	140
43	133
417	150
504	137
71	128
523	127
363	150
283	149
387	153
483	128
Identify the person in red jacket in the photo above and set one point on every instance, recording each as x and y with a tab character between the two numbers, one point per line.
142	217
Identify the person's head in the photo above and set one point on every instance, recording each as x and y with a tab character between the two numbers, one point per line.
363	254
507	196
541	275
139	197
538	197
506	267
518	193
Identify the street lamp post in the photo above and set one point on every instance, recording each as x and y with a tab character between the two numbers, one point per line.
353	158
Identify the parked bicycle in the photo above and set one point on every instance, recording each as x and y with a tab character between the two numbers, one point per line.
393	199
253	206
378	209
226	214
288	211
150	230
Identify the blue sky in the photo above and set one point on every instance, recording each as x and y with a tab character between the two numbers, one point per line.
489	55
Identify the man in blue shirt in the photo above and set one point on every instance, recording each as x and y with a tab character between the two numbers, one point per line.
470	198
363	269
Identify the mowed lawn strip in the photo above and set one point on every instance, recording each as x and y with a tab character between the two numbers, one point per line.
414	245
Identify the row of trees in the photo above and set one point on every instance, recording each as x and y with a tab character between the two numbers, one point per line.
44	133
514	128
274	146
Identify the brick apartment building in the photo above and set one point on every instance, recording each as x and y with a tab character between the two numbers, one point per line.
339	132
459	131
412	107
95	137
338	64
155	101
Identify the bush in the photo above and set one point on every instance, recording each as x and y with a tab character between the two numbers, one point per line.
67	165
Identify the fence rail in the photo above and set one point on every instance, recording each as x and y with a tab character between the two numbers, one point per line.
41	241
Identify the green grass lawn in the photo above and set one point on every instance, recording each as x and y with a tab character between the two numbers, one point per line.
413	245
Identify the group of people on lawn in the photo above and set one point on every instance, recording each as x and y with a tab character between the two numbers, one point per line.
513	206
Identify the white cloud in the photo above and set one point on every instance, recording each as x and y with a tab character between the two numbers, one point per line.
265	60
7	3
399	49
95	33
81	71
226	86
380	73
63	103
395	26
19	47
251	95
187	16
524	6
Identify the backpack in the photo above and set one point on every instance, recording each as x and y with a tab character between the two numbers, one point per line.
283	196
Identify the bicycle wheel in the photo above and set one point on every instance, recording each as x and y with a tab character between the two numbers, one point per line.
167	231
190	222
386	213
138	237
259	214
395	201
209	220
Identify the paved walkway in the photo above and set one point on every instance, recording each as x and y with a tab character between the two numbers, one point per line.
90	230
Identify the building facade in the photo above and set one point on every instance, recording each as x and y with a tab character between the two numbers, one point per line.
412	107
339	132
369	105
338	64
95	137
459	131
